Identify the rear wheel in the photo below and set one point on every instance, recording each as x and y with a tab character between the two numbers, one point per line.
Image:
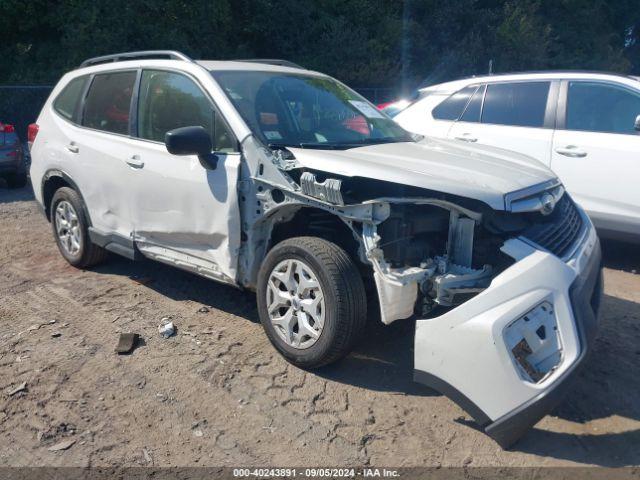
71	230
311	301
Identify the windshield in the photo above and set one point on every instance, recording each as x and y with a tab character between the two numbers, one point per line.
297	110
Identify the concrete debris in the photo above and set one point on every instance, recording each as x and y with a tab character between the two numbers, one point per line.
127	342
147	456
20	388
63	445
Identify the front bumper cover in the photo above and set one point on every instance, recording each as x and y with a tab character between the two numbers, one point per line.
585	294
481	377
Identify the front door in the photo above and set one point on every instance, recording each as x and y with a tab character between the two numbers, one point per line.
184	213
597	153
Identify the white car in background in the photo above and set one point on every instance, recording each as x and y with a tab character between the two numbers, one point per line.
584	126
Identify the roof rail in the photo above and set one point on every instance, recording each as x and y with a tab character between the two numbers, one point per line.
542	72
146	54
270	61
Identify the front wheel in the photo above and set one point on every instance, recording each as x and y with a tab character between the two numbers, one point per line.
311	301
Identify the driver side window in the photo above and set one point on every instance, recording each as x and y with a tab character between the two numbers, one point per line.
170	100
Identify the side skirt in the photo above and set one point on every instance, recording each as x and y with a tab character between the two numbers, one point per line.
115	243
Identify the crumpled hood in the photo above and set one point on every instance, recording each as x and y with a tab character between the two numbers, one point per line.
478	172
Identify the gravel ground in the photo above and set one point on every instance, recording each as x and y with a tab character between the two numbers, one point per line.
218	394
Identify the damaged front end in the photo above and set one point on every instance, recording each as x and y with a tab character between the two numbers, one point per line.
423	257
505	300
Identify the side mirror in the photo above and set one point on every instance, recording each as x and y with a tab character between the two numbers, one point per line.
191	141
637	124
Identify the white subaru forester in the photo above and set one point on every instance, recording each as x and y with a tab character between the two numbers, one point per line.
270	177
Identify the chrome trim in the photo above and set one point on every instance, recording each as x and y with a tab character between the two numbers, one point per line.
512	197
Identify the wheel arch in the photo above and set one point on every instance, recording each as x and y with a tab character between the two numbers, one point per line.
298	220
52	181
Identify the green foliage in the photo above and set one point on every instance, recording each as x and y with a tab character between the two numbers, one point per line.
359	41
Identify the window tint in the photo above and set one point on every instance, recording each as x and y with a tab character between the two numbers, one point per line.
170	100
108	102
292	109
472	113
452	107
598	107
518	104
67	102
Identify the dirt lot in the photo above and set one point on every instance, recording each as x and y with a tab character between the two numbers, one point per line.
217	393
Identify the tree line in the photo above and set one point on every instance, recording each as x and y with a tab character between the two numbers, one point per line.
362	42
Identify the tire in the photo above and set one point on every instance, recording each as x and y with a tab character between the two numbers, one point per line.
340	285
17	180
88	253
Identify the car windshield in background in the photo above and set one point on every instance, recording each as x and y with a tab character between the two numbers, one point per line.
294	110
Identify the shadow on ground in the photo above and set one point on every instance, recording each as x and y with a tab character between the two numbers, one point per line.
382	361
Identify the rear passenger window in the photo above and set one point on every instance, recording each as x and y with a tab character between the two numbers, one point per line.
452	107
169	100
517	104
67	101
109	101
474	108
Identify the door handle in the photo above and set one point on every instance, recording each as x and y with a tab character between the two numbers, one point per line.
466	137
134	161
73	148
571	151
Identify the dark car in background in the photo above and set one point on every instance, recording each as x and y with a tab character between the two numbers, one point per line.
12	160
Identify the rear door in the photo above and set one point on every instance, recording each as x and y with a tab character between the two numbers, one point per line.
99	152
184	212
596	152
517	116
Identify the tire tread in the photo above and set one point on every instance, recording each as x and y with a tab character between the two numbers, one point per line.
348	287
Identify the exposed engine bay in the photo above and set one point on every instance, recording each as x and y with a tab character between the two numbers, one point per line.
430	256
429	251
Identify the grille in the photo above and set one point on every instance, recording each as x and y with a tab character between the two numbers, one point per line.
559	231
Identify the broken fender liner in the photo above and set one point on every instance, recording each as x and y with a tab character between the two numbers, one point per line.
585	294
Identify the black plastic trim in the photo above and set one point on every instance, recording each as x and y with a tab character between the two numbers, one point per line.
61	174
115	243
453	393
